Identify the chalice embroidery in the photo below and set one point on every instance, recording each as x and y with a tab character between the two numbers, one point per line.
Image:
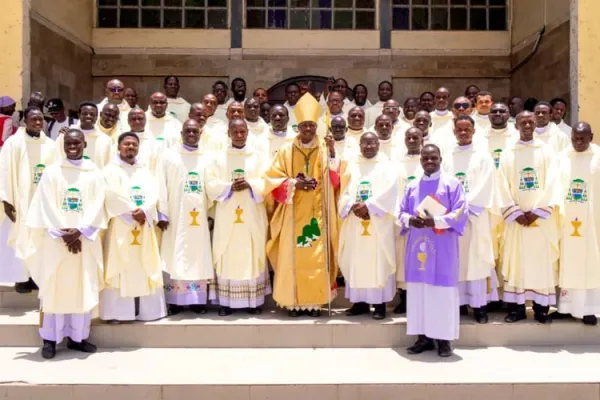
365	224
422	256
576	223
136	234
194	214
238	212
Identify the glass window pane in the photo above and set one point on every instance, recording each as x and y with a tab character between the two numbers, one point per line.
150	18
497	19
439	19
277	3
458	2
216	3
420	18
150	3
400	17
299	3
440	2
217	19
173	3
365	4
342	3
107	2
322	3
365	20
277	18
497	2
458	19
129	2
300	19
420	2
172	18
400	2
478	2
255	3
194	3
477	18
194	19
321	19
129	18
342	20
107	18
255	19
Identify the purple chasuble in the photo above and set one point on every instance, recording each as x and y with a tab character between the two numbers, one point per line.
431	255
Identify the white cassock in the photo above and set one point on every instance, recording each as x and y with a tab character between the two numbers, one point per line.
23	160
124	109
565	128
530	255
409	168
439	119
293	122
553	137
98	150
240	228
69	195
185	249
579	278
366	250
166	129
131	258
474	167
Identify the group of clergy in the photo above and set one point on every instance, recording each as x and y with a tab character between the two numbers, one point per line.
133	214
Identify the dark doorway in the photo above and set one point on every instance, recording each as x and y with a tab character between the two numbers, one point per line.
316	85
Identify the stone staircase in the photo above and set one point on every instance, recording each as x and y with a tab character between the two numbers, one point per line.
275	357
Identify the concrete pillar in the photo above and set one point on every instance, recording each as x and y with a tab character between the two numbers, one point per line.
585	63
14	47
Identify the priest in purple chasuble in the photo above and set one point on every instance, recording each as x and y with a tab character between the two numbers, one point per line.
434	214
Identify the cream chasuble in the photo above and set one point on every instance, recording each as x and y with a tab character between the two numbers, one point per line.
240	217
366	250
68	196
259	129
215	125
351	104
530	256
580	219
392	148
346	149
166	129
553	137
355	134
483	121
293	122
99	147
298	227
221	111
373	112
439	120
148	152
23	160
113	133
179	108
185	248
124	109
131	259
474	167
566	129
276	142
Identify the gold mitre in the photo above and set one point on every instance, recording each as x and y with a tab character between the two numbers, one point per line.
307	109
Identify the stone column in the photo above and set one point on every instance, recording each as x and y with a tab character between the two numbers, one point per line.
14	47
585	63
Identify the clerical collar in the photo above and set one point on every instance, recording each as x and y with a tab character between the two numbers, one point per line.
189	148
307	145
496	130
441	113
120	161
412	155
340	140
385	141
34	137
87	131
75	162
278	133
542	129
465	147
236	149
336	115
432	177
482	116
524	142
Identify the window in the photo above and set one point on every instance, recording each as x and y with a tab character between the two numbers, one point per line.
191	14
310	14
449	15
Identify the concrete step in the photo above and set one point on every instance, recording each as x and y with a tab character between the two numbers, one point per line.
274	329
548	373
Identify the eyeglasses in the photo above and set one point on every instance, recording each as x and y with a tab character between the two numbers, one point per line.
116	89
464	106
391	109
498	112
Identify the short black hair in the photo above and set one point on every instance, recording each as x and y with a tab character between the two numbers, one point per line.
282	106
257	89
87	104
238	80
530	103
433	146
424	93
28	110
171	76
471	86
543	103
384	82
289	85
411	98
484	93
558	100
122	136
342	79
357	86
220	83
464	118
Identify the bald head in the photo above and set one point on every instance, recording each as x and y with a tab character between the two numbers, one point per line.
392	109
442	97
136	120
582	127
581	136
413	139
158	104
356	118
190	133
114	91
235	111
210	102
109	115
369	144
198	113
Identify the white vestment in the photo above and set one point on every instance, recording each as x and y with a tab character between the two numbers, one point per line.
166	129
553	137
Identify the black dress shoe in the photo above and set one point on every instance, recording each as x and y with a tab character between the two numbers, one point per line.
516	313
481	315
444	348
33	285
174	309
464	310
225	311
340	281
84	346
49	349
293	313
590	320
315	313
379	312
558	316
401	307
357	309
23	287
494	306
254	311
198	308
422	344
540	314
